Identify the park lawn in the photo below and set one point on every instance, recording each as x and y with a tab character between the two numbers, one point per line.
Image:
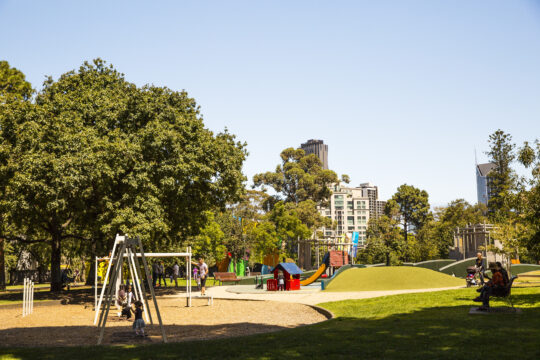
433	325
392	278
523	280
20	287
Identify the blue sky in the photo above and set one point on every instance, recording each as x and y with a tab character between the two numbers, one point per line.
401	91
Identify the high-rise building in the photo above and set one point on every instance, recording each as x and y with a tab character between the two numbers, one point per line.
376	206
350	209
483	182
318	148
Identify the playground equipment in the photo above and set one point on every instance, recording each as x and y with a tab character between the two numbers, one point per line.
28	297
291	273
321	270
137	288
128	248
332	259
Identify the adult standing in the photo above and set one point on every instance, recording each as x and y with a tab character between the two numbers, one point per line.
203	268
155	273
162	274
176	273
479	263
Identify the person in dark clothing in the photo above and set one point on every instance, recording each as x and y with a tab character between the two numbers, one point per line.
504	273
161	274
138	324
155	273
480	270
492	287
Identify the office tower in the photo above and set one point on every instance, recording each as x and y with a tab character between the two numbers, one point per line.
483	182
318	148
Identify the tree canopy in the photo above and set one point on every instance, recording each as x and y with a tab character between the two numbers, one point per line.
95	155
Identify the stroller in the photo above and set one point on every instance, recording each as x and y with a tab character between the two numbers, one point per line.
471	276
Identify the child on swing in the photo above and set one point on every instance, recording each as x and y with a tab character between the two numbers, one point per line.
138	324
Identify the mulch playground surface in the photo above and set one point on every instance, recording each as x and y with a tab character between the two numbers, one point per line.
71	323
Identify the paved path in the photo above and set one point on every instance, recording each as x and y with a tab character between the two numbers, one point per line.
309	298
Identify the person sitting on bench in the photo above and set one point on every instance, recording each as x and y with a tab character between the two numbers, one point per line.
492	287
504	273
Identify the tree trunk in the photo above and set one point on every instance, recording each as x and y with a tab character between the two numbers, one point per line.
2	266
92	274
388	258
56	257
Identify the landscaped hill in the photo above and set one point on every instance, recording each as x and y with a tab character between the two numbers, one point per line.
391	278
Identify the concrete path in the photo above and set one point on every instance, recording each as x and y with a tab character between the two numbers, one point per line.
309	298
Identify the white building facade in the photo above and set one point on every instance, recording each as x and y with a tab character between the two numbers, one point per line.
349	207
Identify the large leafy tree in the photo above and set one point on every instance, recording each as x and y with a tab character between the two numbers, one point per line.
13	89
298	178
96	155
385	243
13	84
440	230
502	178
412	205
300	184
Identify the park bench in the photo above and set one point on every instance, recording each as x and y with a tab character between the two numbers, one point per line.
225	276
507	291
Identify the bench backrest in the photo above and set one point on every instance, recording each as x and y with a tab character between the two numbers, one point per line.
225	275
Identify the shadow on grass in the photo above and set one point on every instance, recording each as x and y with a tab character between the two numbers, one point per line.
445	332
517	299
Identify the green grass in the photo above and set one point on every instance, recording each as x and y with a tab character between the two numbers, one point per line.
391	278
411	326
20	287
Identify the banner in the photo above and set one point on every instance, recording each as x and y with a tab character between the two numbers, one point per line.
354	243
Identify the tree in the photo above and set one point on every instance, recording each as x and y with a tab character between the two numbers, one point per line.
300	177
279	225
300	185
458	213
13	88
502	178
13	84
530	197
210	241
412	205
95	155
384	238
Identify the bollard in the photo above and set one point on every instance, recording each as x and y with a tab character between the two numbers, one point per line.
28	297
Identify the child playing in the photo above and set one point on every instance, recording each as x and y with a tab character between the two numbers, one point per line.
197	278
281	281
138	324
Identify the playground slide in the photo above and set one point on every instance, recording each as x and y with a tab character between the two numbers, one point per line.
319	272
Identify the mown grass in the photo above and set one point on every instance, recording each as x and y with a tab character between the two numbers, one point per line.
391	278
411	326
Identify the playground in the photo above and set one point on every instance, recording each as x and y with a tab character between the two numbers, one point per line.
71	324
397	312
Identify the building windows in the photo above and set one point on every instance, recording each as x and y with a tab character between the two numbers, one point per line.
349	205
360	204
350	220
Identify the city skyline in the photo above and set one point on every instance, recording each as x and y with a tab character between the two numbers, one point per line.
400	92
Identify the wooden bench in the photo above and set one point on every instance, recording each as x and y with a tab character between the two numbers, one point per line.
225	276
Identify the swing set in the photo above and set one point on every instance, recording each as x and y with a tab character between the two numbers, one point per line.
132	249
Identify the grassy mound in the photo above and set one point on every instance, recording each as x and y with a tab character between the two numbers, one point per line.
391	278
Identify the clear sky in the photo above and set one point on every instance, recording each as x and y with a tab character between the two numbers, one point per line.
401	91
